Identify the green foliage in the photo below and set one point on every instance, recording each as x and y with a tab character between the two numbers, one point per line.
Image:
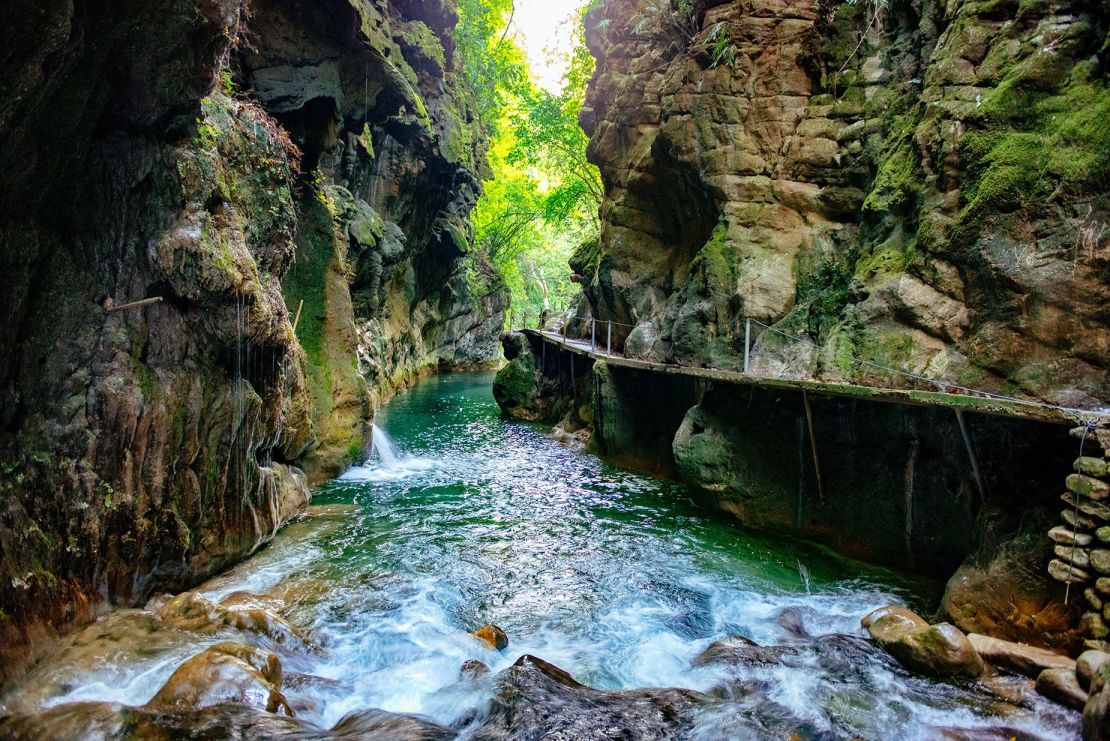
822	290
542	195
1038	146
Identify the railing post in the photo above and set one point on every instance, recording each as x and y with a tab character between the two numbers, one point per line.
609	340
593	334
747	341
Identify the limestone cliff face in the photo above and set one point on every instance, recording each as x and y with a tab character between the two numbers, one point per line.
229	162
913	183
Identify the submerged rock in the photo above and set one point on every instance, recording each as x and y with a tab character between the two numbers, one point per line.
492	636
224	673
535	699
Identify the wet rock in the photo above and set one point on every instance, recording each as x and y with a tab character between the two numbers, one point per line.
940	650
262	622
74	721
889	623
1062	686
225	673
739	651
1091	466
534	699
379	725
1018	657
492	636
472	669
195	612
1096	711
1088	665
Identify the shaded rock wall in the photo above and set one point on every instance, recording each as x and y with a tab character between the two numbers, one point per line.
204	153
914	183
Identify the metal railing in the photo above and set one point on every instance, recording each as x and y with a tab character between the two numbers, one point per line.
1094	417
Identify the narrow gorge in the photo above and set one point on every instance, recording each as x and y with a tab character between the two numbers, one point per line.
838	340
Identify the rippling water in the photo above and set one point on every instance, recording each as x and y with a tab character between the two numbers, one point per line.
618	578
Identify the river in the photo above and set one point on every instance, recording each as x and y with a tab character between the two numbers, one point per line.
618	578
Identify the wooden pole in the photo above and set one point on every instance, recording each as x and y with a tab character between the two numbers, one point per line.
609	340
813	448
966	434
135	304
748	342
297	318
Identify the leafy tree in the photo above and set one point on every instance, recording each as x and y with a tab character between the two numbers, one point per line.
542	195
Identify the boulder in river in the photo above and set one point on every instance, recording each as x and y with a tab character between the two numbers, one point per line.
1018	657
1062	686
492	636
472	669
1088	665
889	623
225	673
535	699
739	651
368	725
193	611
1096	711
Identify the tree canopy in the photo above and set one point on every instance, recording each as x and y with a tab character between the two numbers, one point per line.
541	195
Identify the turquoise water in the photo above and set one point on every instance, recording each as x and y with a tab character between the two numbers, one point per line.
618	578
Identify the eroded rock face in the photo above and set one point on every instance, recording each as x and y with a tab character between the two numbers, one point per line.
143	449
871	179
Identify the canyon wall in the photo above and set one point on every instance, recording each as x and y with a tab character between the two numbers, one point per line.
236	168
914	184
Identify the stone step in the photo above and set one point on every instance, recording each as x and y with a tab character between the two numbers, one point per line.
1067	536
1073	555
1060	571
1089	507
1088	486
1078	521
1090	466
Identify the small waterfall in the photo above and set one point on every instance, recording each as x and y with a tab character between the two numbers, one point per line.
803	572
381	443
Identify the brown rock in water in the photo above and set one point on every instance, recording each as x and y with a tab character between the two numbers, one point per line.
1062	686
492	636
193	611
888	624
1096	711
1088	665
74	721
224	673
940	650
1018	657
